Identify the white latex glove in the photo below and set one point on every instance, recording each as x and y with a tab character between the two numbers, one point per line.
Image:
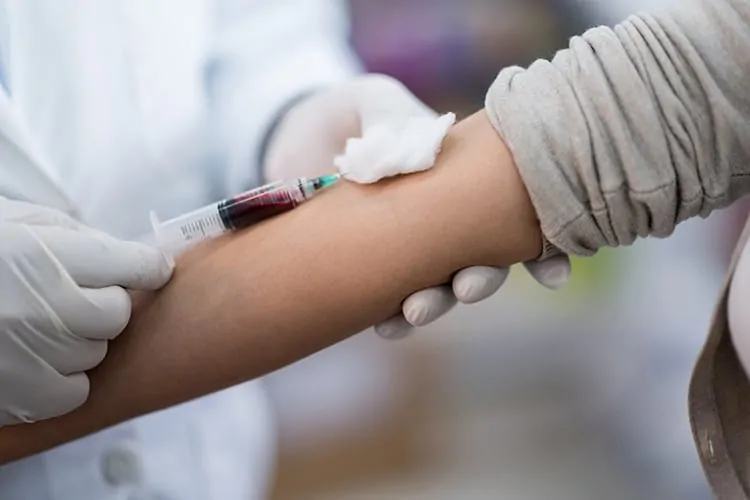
62	298
315	131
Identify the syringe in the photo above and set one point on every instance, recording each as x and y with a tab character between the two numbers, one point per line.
238	212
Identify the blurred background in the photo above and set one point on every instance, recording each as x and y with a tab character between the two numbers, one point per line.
578	394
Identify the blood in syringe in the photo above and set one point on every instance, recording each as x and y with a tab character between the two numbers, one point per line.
243	211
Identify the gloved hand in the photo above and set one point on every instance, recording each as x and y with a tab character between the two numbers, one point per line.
315	131
61	300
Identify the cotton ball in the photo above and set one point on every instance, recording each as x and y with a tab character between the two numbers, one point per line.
395	148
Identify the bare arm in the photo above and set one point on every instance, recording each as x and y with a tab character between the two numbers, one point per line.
244	306
626	133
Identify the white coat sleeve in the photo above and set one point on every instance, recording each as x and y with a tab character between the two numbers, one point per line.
265	54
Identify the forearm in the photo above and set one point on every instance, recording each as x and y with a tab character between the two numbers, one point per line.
635	129
241	307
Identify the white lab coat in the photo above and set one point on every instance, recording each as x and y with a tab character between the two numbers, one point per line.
133	105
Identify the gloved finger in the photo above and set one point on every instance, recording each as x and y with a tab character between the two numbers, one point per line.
55	395
554	273
81	356
424	307
394	328
94	259
72	353
33	214
473	284
97	314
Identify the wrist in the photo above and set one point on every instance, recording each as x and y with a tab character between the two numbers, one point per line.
472	200
505	225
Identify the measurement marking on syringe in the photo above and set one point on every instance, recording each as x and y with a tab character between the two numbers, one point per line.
202	226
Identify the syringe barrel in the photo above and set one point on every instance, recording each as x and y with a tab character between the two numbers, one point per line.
201	224
251	208
189	228
238	212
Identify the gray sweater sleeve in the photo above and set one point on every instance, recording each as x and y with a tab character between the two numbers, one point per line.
632	130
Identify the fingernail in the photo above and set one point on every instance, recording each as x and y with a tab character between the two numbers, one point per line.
417	314
393	329
467	288
556	277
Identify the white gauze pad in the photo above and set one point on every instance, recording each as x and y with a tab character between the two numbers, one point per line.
394	148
